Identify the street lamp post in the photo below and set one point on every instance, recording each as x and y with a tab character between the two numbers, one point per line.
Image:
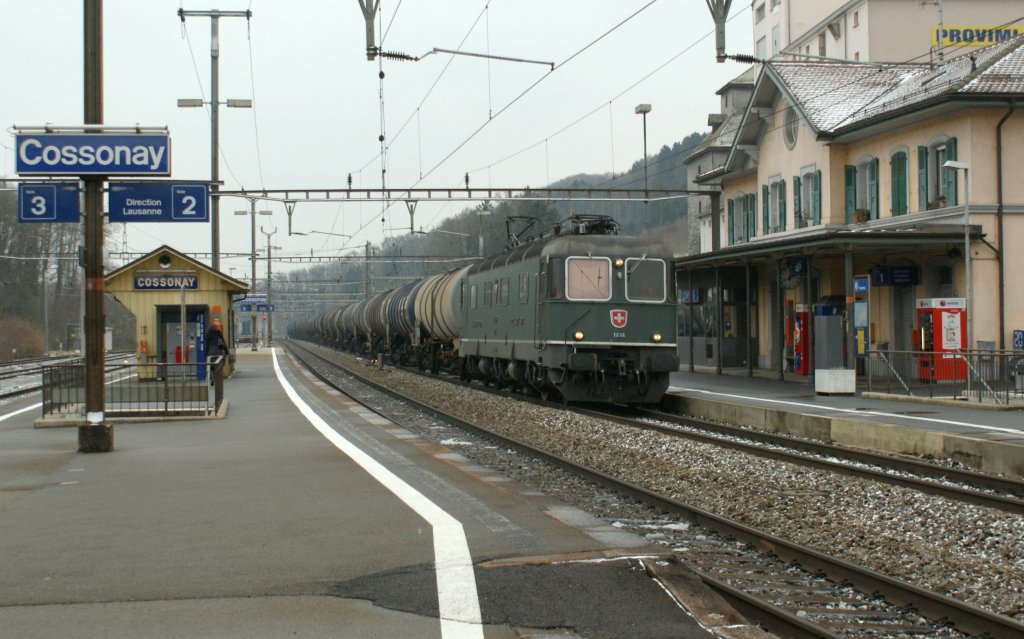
480	227
253	213
965	167
270	313
214	15
644	109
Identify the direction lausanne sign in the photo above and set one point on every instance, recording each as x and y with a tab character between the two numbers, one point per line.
93	154
158	202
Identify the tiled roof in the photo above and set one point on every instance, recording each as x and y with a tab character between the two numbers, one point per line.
838	95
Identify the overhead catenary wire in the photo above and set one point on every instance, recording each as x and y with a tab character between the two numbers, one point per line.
255	104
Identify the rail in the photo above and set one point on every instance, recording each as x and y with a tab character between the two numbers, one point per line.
138	390
983	376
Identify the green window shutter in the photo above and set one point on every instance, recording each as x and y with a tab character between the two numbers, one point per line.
745	220
752	216
782	205
766	227
797	196
731	223
816	198
922	178
898	183
851	192
873	189
950	174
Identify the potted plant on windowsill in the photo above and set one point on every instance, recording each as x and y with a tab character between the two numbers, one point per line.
861	216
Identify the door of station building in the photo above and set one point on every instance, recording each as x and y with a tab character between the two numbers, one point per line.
185	350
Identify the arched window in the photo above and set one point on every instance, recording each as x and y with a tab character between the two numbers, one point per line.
790	127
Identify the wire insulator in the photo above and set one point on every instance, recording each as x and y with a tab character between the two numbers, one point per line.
396	55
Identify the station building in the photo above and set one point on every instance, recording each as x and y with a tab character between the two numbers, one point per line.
165	290
836	173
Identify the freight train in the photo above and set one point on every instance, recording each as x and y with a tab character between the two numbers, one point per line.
578	313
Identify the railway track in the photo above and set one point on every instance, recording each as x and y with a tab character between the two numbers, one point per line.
791	589
963	485
34	367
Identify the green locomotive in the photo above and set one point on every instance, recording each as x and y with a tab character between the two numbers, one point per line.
579	313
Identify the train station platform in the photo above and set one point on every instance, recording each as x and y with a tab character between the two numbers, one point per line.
990	441
302	514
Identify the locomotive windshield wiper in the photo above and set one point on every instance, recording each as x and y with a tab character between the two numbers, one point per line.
638	262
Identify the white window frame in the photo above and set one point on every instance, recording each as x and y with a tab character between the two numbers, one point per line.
608	272
664	280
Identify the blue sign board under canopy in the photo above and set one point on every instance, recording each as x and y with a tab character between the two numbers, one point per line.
158	202
48	202
861	284
92	154
907	275
165	281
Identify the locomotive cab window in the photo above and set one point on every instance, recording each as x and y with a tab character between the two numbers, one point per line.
556	279
645	280
524	288
588	278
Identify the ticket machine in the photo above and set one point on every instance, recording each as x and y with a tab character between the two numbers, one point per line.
801	340
941	332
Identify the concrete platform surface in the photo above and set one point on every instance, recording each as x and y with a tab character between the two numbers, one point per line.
991	441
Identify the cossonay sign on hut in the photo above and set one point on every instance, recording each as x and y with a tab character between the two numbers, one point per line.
157	281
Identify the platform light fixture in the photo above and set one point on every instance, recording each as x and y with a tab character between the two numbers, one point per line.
253	213
644	109
965	167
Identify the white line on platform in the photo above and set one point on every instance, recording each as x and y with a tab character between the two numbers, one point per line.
19	411
458	604
852	411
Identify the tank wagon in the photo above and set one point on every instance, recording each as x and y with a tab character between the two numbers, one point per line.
581	313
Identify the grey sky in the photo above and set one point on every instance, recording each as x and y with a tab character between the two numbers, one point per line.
318	111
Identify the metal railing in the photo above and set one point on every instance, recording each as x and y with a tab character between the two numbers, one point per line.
981	375
138	390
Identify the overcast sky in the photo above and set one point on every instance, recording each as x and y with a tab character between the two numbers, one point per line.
318	107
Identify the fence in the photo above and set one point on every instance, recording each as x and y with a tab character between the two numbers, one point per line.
992	376
161	390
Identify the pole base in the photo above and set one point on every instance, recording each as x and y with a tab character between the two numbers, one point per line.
95	438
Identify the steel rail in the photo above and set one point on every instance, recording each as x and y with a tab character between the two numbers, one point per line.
901	464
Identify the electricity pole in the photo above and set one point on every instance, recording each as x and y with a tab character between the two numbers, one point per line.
95	436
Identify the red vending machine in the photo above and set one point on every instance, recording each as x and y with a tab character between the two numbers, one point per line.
941	332
801	340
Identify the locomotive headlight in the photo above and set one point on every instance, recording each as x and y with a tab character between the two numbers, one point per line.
578	336
619	262
656	338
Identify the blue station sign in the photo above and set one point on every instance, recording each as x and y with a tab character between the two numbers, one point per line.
48	202
93	154
158	202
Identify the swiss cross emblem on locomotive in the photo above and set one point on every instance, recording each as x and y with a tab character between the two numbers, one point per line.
619	318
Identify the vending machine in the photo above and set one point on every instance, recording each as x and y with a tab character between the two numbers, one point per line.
941	333
801	340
